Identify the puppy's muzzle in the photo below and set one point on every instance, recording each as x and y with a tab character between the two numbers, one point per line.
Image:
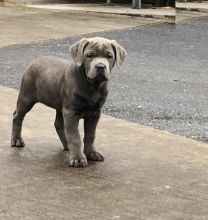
100	70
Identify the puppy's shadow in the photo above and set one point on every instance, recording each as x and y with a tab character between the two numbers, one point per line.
55	159
60	160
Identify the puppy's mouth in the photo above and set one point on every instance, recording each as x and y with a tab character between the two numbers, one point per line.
97	79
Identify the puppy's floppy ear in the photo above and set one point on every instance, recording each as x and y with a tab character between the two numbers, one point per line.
77	51
120	53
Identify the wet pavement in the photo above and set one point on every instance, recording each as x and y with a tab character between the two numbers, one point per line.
147	173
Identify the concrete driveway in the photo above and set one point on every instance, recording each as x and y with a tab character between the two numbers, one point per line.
147	173
26	25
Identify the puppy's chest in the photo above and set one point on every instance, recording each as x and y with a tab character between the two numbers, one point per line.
85	103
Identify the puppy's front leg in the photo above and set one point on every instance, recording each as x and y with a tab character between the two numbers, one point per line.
90	124
71	122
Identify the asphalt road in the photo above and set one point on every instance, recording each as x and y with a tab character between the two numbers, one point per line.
163	82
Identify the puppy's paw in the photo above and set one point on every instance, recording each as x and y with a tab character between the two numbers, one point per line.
17	142
95	156
80	161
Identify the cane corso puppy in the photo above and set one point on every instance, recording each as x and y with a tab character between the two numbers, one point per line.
75	91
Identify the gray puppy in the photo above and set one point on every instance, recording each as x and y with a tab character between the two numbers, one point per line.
75	91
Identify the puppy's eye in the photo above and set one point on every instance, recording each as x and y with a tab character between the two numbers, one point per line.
89	55
109	56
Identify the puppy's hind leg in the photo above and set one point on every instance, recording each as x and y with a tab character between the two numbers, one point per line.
24	104
59	125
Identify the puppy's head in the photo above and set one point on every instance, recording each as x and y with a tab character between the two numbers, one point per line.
98	57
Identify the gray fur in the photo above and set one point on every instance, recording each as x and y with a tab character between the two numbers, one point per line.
75	91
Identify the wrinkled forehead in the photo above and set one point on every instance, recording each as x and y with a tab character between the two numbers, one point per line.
99	45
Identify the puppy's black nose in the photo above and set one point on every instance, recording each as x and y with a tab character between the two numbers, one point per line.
100	67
